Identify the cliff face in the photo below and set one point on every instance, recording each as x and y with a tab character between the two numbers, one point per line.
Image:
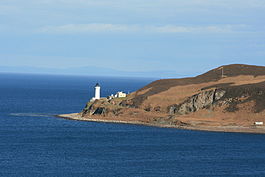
203	100
229	90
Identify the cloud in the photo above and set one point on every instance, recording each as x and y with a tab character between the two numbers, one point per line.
84	28
7	9
101	27
193	29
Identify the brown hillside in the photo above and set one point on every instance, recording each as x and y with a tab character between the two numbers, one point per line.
232	75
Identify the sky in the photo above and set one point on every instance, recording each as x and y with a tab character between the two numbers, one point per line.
145	38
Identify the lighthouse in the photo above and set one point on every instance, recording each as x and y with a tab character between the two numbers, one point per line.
97	92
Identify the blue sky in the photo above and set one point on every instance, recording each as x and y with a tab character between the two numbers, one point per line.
161	38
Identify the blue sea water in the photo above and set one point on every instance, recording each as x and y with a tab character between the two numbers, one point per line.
35	143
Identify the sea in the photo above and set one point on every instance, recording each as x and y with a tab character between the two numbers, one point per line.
33	142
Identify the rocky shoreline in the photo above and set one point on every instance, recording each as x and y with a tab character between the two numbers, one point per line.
232	129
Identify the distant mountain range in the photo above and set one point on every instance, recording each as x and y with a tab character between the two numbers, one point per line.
88	70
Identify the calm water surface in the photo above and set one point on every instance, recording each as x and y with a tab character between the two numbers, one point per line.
34	143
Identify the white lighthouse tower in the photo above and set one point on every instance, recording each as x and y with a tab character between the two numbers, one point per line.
97	92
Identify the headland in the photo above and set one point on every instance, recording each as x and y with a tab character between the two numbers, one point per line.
229	98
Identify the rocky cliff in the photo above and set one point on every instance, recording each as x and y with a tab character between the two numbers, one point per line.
203	100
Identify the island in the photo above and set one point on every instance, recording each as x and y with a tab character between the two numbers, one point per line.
229	98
